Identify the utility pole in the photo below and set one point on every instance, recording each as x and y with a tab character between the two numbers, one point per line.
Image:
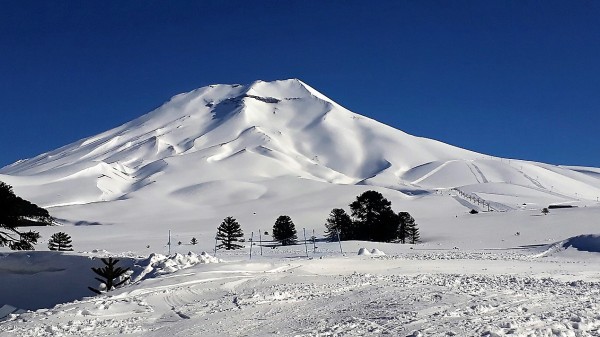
260	241
169	242
215	245
305	244
314	238
251	239
339	241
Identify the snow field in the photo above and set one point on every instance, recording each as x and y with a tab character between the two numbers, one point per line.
464	295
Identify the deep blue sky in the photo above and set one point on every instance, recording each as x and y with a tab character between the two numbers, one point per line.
514	79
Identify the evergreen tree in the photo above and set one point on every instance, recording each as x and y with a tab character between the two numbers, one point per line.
16	212
403	219
60	241
374	218
229	232
407	229
410	229
339	222
194	241
284	230
545	211
110	274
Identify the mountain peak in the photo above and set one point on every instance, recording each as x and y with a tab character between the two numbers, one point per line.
281	89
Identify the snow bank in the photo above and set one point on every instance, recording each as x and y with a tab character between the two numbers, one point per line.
582	243
44	279
586	243
158	264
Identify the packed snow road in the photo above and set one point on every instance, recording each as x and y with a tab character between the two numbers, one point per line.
416	294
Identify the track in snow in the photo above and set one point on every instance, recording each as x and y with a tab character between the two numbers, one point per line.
296	299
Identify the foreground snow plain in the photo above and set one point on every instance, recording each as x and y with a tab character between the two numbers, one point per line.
413	290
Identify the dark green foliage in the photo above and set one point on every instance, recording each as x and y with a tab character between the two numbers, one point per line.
407	229
110	274
403	219
229	232
60	241
194	241
284	231
339	222
16	212
374	218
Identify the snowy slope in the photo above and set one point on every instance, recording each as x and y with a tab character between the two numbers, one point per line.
269	148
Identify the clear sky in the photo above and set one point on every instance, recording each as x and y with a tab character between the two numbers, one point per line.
518	79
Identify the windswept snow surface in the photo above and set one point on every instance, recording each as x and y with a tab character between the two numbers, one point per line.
414	292
258	151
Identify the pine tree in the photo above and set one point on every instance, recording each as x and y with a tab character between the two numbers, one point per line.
339	222
374	218
16	212
110	274
60	241
408	228
229	232
194	241
403	219
284	231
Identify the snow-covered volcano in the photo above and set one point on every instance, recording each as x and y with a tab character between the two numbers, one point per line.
273	147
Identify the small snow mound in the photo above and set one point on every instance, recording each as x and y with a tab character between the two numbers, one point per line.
376	251
364	251
583	243
586	243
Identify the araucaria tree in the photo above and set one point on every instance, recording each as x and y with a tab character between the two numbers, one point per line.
374	218
60	241
229	232
284	231
16	212
109	275
407	230
339	223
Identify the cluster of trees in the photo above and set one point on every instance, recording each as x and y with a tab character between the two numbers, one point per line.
371	219
17	212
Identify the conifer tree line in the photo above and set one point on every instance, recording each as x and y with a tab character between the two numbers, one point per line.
371	219
16	212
